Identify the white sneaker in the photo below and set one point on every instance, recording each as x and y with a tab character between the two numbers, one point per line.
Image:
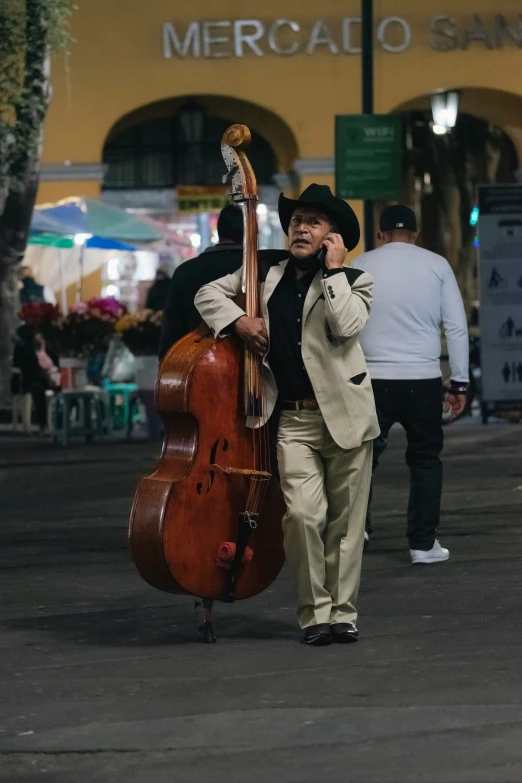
435	555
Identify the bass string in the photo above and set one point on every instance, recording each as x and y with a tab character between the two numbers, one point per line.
265	434
263	450
253	364
247	261
251	310
264	446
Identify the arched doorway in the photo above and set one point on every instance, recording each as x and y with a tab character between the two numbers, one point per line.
181	148
164	161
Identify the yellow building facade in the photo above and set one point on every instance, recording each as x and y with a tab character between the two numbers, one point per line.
285	68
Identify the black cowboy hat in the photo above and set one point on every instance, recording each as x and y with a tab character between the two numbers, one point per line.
321	196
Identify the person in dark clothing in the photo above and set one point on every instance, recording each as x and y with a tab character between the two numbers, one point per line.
415	292
158	292
34	379
180	315
32	292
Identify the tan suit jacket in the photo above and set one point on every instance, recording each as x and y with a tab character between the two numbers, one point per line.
334	314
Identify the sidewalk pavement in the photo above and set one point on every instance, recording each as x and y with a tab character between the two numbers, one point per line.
102	680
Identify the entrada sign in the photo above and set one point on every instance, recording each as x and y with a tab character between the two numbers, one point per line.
193	199
286	37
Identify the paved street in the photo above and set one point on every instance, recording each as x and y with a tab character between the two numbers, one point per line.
101	679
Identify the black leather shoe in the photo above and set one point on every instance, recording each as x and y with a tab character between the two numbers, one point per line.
317	635
344	633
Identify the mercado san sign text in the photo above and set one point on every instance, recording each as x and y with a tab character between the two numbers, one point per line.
287	37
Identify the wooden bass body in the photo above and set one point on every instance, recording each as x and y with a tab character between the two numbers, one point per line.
190	504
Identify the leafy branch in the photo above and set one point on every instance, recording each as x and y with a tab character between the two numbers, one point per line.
30	32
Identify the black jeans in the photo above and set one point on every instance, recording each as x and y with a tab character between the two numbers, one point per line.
417	406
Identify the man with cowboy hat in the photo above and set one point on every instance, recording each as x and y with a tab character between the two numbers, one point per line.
314	309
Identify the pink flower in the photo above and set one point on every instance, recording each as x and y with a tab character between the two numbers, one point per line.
80	308
107	306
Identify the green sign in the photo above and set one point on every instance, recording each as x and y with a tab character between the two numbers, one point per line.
368	150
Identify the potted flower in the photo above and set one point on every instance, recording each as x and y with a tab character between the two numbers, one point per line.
84	332
45	317
59	335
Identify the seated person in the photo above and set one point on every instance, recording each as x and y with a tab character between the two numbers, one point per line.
35	379
48	361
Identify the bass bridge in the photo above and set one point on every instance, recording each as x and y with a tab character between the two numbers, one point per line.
260	475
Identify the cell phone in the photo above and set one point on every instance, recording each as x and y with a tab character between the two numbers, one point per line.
446	415
322	252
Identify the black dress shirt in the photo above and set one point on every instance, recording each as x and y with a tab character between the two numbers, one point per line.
285	311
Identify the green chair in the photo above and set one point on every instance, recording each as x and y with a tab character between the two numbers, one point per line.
91	415
120	412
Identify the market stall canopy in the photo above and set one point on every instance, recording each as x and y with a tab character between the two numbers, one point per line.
83	215
55	240
168	235
42	223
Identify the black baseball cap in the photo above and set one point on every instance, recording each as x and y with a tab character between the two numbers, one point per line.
397	218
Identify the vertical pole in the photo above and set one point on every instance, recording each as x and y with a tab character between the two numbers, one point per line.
79	287
63	288
204	230
367	104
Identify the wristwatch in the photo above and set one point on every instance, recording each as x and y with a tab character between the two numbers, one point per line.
458	388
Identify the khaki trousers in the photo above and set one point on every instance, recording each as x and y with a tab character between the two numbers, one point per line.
326	492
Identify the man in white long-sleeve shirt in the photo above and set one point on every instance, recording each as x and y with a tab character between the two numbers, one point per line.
414	292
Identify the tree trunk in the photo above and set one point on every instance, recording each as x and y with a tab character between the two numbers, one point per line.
15	219
14	229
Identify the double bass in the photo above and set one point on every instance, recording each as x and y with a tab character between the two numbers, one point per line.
207	521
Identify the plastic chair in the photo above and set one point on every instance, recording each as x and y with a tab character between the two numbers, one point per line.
93	419
22	408
127	392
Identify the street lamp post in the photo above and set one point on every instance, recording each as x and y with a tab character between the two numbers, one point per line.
445	110
192	117
367	104
192	120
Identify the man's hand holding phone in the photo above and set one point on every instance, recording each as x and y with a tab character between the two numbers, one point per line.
454	405
335	250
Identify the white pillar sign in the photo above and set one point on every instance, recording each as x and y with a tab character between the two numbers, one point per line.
500	234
